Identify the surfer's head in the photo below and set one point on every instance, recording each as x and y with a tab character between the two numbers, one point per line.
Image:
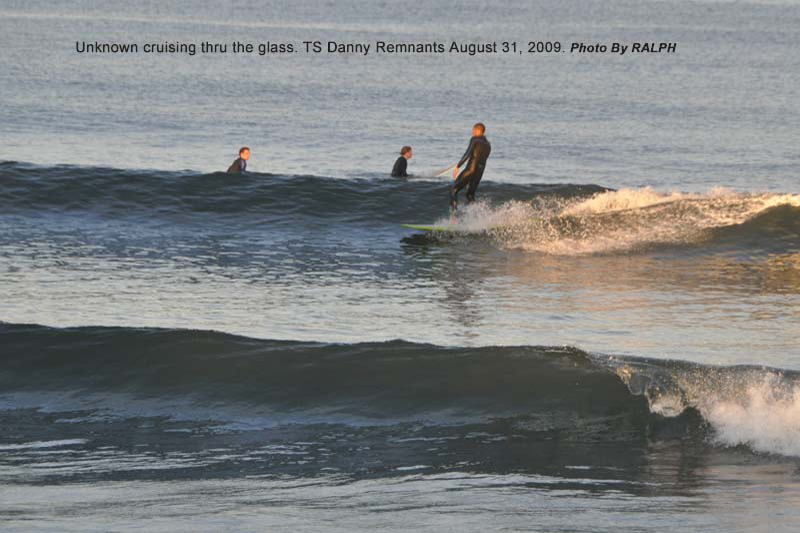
244	153
405	151
478	129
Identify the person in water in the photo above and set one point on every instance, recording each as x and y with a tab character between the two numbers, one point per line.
400	166
240	164
475	157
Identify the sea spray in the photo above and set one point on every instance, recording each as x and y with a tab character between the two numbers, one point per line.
767	419
622	221
753	406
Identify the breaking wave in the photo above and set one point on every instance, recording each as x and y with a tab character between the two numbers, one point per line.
127	372
633	220
562	219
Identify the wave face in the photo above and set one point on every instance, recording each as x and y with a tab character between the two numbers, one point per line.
529	392
545	218
359	383
272	198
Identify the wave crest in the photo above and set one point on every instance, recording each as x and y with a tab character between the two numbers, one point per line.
586	397
628	220
753	406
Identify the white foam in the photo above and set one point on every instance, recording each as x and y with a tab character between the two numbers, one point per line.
482	216
768	420
758	408
667	405
42	444
625	199
613	221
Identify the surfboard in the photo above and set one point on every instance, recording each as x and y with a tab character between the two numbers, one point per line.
423	227
451	229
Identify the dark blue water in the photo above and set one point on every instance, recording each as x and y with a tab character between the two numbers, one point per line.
605	341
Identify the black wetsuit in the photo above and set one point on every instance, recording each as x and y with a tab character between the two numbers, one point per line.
399	168
476	155
237	166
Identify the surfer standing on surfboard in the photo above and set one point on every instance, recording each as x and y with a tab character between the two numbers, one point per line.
476	155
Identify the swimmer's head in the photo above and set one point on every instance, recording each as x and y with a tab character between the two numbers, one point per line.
244	153
478	129
405	151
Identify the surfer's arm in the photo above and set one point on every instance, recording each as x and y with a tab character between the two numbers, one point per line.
466	154
464	158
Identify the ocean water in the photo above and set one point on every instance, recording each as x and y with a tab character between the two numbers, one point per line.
606	342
